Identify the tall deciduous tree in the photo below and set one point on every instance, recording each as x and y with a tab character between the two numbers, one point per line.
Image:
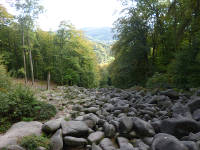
173	29
29	11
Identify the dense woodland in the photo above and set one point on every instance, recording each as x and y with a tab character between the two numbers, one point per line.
158	44
65	55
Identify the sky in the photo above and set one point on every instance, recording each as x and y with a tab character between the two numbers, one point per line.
81	13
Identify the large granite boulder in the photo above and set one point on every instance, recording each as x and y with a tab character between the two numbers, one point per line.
19	130
179	127
14	147
109	130
125	125
142	127
164	141
124	144
170	93
190	145
57	140
96	147
51	126
74	142
180	110
194	104
96	137
74	128
107	144
196	115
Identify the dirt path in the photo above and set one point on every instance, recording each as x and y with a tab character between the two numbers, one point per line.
38	85
65	98
57	97
54	96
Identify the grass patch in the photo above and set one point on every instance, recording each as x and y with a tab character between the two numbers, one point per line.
33	142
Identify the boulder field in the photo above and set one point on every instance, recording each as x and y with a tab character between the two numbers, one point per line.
116	119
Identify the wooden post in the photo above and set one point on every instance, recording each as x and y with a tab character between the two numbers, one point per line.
48	80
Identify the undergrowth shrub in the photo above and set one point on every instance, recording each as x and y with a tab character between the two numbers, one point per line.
5	82
21	103
159	80
33	142
43	111
18	103
185	69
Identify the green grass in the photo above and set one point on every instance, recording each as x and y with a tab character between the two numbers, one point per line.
33	142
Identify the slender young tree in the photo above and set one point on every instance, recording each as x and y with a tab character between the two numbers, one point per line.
29	11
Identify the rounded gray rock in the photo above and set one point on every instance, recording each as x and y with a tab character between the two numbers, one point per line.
14	147
96	147
96	137
57	141
74	128
107	144
75	142
109	130
164	141
51	126
142	127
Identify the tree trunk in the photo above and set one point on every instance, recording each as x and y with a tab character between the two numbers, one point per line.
31	63
175	27
48	80
24	56
30	59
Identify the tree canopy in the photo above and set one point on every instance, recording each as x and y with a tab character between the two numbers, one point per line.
66	54
157	39
157	44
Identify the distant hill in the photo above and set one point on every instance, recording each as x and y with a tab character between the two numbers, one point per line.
103	34
102	39
103	52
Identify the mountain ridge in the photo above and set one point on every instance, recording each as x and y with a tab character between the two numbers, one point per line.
99	34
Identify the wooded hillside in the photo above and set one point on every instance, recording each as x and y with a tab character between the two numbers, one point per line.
65	55
158	44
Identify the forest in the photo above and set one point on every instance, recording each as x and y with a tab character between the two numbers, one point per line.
28	52
156	44
139	90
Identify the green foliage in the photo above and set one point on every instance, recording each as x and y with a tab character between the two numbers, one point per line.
159	80
66	53
5	16
130	66
104	76
4	79
20	73
157	42
27	119
75	60
185	70
5	124
103	52
43	111
152	36
20	103
33	142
